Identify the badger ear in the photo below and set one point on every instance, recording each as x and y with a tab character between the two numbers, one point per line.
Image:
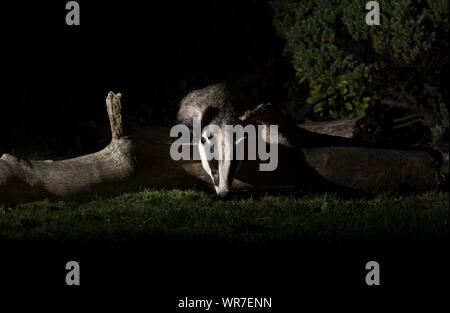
242	139
208	115
188	122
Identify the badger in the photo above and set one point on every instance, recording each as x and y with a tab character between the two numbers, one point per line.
219	105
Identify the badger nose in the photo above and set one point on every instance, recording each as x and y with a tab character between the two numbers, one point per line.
222	194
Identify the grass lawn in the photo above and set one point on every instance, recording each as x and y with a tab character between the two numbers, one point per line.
159	215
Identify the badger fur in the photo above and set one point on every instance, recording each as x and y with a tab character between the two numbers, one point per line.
218	105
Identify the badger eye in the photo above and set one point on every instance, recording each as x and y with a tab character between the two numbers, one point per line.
215	176
203	140
210	135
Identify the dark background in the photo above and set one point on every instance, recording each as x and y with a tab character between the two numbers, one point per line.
56	77
55	80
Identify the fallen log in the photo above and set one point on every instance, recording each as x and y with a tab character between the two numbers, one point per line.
142	160
359	128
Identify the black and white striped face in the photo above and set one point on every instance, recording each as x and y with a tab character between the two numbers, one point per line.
216	148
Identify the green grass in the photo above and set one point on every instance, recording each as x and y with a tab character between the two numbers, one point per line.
166	215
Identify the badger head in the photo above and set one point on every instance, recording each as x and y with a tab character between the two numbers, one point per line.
217	148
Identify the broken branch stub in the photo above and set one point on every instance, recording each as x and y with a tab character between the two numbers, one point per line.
114	108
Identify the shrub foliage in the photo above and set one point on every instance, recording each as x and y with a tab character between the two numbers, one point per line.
348	66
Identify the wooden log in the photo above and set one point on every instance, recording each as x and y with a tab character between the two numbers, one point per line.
102	172
365	129
142	160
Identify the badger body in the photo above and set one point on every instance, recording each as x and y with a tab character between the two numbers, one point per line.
217	105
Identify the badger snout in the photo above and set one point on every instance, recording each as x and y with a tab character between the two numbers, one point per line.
223	193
